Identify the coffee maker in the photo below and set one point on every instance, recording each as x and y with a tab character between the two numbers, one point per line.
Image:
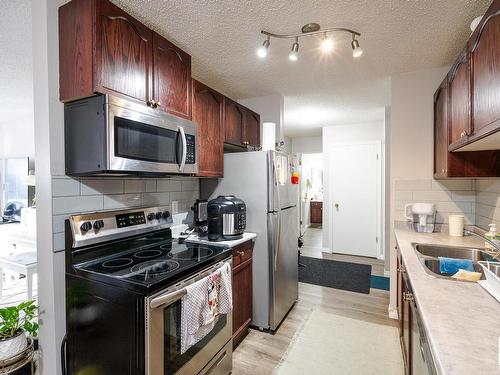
421	216
200	223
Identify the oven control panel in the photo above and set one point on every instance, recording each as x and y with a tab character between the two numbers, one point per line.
99	226
191	149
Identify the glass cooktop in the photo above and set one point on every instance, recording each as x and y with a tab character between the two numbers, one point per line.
146	263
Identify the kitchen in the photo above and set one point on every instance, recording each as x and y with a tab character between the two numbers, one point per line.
95	78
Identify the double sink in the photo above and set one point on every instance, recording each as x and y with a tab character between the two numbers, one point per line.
429	257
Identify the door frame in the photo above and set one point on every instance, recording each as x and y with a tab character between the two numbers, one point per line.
380	199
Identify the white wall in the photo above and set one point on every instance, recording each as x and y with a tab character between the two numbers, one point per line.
307	145
271	109
16	80
342	134
411	138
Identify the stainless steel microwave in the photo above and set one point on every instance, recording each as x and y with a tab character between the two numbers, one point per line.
106	135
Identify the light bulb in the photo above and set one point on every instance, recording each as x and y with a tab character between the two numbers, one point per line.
356	49
294	54
262	50
327	44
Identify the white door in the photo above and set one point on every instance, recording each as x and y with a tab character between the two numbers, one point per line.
355	198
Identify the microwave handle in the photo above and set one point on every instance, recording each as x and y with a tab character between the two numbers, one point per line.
184	149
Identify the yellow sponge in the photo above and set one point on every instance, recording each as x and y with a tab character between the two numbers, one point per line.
467	275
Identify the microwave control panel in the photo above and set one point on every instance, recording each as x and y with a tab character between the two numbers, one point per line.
191	149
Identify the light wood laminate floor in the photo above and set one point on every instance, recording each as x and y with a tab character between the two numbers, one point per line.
260	352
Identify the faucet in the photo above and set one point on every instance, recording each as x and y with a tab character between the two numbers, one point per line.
494	244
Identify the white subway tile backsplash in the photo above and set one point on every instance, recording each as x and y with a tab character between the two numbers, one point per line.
168	185
447	185
432	195
122	201
58	242
487	203
62	187
133	186
58	223
190	185
184	195
463	196
150	186
101	186
155	199
403	195
491	199
413	185
77	204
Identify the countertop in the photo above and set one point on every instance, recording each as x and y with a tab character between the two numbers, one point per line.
461	319
246	237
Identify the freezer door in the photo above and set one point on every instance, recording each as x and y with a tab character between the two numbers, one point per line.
282	193
284	263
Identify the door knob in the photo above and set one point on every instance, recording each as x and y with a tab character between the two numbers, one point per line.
336	206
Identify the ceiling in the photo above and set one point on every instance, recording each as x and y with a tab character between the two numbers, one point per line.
396	36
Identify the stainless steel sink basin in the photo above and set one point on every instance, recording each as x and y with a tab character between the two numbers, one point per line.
429	257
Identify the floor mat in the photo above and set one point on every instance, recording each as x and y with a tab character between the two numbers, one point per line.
353	277
331	344
380	282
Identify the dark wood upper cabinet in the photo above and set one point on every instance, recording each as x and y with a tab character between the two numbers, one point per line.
122	53
208	114
234	118
485	74
102	49
441	130
251	134
459	120
171	77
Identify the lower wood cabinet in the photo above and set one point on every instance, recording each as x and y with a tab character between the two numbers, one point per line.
242	290
316	212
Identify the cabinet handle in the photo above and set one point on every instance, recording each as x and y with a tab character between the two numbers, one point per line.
158	104
463	134
401	269
246	143
408	297
442	170
241	253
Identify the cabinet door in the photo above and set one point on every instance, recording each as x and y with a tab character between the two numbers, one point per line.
441	130
252	128
459	124
399	282
123	53
233	122
406	327
242	296
208	111
171	78
485	73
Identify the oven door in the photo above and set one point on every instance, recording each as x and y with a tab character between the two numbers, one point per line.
163	334
144	140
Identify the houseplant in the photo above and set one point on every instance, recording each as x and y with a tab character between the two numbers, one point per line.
15	322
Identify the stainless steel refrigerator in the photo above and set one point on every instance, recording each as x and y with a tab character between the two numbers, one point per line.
263	180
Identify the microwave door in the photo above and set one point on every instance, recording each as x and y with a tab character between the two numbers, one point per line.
181	148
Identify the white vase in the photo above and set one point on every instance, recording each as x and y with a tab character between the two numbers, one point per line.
12	346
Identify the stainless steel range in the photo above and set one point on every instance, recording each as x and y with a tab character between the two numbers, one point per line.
125	278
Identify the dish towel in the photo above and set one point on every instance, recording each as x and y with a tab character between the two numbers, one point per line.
203	303
452	265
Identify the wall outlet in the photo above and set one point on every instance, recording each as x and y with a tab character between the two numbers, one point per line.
175	207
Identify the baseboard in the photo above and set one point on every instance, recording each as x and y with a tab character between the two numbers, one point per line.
393	313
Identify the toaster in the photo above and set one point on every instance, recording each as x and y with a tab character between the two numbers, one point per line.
226	218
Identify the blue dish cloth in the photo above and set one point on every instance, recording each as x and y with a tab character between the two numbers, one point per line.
452	265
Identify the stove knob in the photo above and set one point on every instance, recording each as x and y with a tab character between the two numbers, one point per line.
151	216
158	215
166	214
86	226
98	224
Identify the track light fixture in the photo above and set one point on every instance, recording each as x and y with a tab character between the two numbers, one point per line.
308	30
262	50
294	54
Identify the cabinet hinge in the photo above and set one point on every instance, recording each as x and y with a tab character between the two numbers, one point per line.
377	156
376	239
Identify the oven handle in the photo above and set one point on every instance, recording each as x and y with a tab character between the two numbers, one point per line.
169	298
184	149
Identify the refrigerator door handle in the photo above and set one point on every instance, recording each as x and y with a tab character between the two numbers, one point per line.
278	241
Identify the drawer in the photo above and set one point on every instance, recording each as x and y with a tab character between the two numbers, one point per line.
242	253
318	205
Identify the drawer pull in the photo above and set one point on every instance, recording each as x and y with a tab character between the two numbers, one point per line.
241	253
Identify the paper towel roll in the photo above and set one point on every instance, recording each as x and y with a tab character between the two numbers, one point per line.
268	136
456	225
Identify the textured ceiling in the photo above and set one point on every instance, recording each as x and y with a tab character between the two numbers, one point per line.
397	36
16	77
